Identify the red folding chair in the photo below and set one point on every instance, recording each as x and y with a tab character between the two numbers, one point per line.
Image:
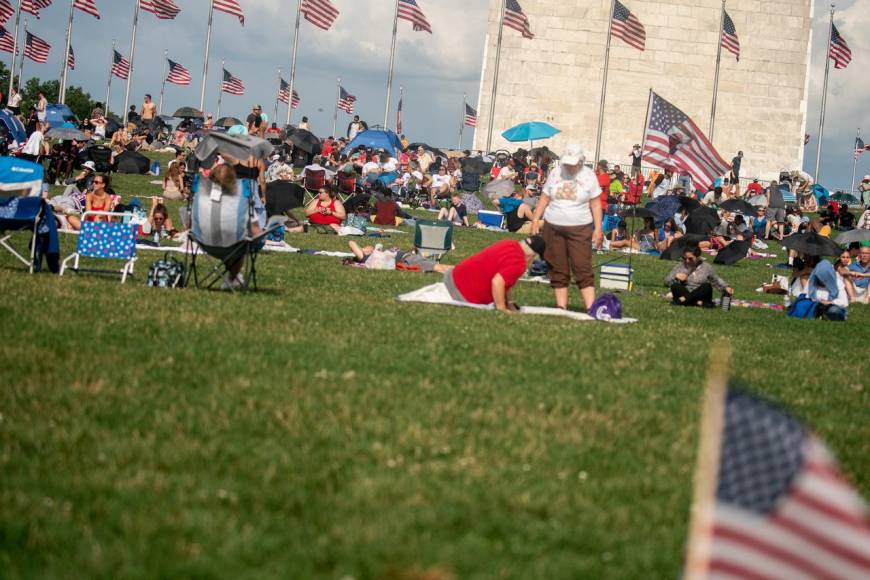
346	185
313	182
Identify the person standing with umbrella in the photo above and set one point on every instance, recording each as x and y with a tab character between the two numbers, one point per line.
570	206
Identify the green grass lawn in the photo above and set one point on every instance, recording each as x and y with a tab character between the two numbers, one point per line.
320	429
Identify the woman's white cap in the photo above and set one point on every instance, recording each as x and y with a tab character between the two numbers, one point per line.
573	155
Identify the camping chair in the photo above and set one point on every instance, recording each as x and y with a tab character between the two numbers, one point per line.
102	158
221	226
312	183
433	239
346	186
106	241
22	181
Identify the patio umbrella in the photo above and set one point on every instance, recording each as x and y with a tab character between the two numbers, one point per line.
187	113
845	198
433	150
531	131
678	246
227	122
737	205
812	244
857	235
66	132
733	252
304	140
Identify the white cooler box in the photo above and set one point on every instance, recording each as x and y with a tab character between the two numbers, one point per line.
615	276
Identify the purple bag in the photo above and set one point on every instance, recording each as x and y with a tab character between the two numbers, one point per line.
606	307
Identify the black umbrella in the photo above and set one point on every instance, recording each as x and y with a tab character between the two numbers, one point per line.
474	165
227	122
812	244
690	204
304	140
637	212
187	113
541	152
433	150
112	126
733	252
702	221
737	205
282	196
678	246
857	235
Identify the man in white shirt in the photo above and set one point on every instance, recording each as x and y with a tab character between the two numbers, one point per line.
15	102
372	166
41	107
353	128
663	184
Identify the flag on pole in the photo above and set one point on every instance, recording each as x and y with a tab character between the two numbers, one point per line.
470	116
409	10
839	51
730	42
284	94
71	59
320	13
88	7
7	44
399	116
7	11
806	139
231	7
672	139
120	66
516	19
34	6
782	507
345	101
162	9
627	27
860	147
232	85
178	75
36	49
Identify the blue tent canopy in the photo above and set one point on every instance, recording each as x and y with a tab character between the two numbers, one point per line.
56	115
376	139
20	177
16	128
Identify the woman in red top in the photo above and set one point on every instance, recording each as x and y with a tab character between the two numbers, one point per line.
99	199
325	210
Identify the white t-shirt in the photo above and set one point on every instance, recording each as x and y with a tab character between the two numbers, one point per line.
439	180
570	197
369	167
842	299
34	144
662	188
15	100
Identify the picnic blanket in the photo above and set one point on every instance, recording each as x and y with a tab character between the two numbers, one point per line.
438	294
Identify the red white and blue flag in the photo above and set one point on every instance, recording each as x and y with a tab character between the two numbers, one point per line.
162	9
409	10
515	18
470	116
36	49
320	13
284	94
120	66
34	6
7	43
232	85
231	7
860	147
627	27
672	139
88	7
178	75
839	52
730	42
345	101
7	11
71	59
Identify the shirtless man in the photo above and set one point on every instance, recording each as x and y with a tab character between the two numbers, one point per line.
149	110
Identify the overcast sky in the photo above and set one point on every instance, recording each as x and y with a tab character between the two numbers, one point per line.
435	70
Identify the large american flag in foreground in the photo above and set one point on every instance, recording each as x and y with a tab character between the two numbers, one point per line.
345	101
36	49
730	42
320	13
178	75
409	10
162	9
470	116
672	139
515	18
626	26
120	66
839	52
284	94
783	509
232	85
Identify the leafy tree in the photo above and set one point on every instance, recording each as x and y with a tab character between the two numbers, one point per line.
77	99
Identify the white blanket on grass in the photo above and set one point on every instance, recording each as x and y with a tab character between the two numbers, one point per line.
438	294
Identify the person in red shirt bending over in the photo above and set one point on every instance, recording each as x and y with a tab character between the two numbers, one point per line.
603	175
488	276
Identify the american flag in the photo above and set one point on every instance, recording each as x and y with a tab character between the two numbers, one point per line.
860	147
516	19
470	116
232	85
7	11
7	44
88	7
730	42
120	66
345	101
34	6
399	117
231	7
783	509
178	75
672	139
839	52
627	27
409	10
71	59
320	13
162	9
284	94
36	49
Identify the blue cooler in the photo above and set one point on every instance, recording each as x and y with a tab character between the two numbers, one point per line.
493	219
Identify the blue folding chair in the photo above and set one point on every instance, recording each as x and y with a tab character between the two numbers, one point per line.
105	241
22	181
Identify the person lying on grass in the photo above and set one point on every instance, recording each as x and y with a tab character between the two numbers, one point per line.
692	281
409	260
488	276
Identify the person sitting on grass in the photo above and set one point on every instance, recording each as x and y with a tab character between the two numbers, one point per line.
173	182
828	287
518	215
645	238
457	213
326	210
841	266
758	223
440	186
667	234
99	199
387	210
692	281
159	224
859	272
618	238
410	260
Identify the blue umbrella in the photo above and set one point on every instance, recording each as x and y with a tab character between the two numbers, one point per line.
531	131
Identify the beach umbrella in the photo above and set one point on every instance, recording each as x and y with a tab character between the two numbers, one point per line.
857	235
844	198
227	122
702	221
530	131
733	252
187	113
737	205
66	132
812	244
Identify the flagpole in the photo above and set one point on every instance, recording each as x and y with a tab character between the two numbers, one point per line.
132	57
392	64
220	89
21	65
293	60
109	84
604	82
824	94
855	162
163	86
642	146
277	94
65	59
716	77
337	97
15	49
495	77
462	120
205	61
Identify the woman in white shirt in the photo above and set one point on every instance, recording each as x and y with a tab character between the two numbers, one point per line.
570	206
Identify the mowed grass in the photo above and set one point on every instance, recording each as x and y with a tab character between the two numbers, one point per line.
320	429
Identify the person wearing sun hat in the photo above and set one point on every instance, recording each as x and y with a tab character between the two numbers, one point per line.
570	208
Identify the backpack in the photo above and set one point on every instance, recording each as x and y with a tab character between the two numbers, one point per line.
166	273
803	307
606	307
539	268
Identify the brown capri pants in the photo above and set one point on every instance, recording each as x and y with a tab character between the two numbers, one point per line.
569	249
